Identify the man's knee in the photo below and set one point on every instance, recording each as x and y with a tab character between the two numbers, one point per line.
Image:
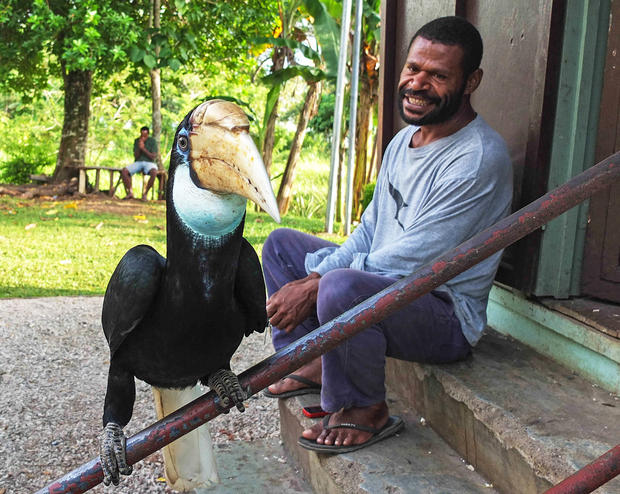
153	172
338	292
274	242
125	171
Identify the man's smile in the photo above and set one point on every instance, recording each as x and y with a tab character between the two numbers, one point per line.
417	101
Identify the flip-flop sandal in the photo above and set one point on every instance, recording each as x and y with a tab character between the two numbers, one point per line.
311	388
391	427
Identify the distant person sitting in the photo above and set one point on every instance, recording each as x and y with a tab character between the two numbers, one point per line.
145	153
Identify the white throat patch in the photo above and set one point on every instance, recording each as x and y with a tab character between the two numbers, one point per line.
203	211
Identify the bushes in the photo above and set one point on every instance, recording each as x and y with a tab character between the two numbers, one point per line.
367	193
30	137
18	171
26	155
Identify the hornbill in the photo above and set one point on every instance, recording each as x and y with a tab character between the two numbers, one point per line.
176	321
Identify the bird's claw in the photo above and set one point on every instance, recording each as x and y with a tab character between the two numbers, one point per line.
226	386
113	454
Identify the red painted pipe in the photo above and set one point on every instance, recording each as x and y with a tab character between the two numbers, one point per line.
591	476
371	311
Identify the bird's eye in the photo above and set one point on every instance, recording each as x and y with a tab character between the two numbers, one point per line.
183	143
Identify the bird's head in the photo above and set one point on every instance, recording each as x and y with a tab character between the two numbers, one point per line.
214	167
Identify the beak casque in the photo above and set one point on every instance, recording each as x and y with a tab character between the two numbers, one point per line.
224	158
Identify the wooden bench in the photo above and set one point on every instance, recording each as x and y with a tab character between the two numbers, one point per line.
162	177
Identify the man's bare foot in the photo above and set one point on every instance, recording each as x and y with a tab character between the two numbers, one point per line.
311	371
375	416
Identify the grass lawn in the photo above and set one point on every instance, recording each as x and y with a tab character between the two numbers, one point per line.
71	247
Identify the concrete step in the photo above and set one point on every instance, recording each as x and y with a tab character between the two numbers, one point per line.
415	460
523	421
256	467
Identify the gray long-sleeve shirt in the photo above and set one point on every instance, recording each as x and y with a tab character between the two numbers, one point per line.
428	200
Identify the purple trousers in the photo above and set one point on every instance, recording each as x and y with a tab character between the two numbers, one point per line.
426	330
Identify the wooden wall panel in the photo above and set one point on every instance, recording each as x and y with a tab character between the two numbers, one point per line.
601	265
522	42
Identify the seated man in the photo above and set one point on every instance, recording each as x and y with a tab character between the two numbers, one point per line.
444	178
145	154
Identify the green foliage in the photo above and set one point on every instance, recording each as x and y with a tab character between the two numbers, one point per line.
293	44
315	21
31	131
310	187
325	13
190	30
30	135
18	170
372	21
283	139
367	192
323	121
38	37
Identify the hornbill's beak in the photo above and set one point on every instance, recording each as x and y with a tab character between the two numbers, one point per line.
224	158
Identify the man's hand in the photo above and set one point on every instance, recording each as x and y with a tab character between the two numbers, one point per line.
293	303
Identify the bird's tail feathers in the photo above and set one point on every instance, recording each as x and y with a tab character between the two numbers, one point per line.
190	460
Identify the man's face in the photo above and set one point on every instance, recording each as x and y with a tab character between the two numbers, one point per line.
432	83
144	134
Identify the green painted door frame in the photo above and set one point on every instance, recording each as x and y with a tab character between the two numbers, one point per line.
574	139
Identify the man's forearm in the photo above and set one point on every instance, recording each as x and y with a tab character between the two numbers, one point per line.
151	155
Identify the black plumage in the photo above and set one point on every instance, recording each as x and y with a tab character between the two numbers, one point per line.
176	321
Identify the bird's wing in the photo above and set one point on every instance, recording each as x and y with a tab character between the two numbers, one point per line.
250	289
130	293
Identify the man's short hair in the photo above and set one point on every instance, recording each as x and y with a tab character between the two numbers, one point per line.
454	30
144	128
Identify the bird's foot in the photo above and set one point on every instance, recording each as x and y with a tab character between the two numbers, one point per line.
113	454
227	387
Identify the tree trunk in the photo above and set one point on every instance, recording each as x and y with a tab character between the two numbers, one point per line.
72	150
340	179
368	97
156	88
361	149
156	100
309	110
278	58
372	167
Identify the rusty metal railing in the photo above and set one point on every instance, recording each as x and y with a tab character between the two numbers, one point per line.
371	311
592	476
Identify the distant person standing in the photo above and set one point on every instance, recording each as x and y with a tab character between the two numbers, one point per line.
145	154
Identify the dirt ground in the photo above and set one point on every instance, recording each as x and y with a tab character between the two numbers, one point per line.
53	371
99	202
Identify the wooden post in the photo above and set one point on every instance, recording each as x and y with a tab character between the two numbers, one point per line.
82	181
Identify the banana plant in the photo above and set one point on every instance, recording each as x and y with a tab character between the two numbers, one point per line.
300	21
291	37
